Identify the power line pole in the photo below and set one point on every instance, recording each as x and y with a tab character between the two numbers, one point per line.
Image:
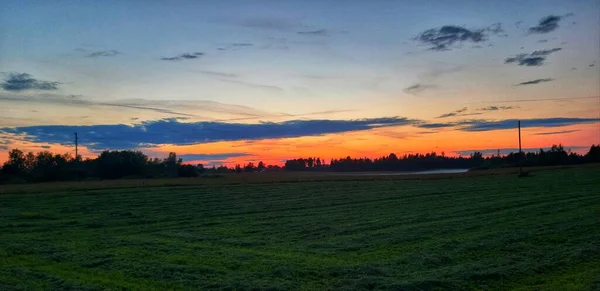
520	152
76	152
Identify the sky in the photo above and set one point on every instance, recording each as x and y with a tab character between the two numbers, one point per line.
226	82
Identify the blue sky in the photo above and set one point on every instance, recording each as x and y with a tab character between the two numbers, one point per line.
111	63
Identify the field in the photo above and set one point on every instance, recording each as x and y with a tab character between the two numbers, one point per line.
456	232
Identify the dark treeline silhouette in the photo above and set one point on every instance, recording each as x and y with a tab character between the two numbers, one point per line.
433	161
46	166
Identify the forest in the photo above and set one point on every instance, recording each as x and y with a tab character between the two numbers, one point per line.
45	166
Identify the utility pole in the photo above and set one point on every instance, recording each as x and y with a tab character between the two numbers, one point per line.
520	152
76	153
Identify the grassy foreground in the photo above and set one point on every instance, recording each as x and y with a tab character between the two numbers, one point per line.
487	232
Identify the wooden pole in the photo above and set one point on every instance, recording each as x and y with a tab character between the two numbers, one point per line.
520	151
76	150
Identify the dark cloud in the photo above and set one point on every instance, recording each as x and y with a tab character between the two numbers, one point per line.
535	58
319	32
453	113
556	132
497	108
591	65
486	125
171	131
210	157
547	24
23	81
107	53
542	41
417	88
536	81
449	36
185	56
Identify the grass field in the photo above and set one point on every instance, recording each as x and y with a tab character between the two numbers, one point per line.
485	232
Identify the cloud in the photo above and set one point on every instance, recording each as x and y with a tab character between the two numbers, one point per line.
319	32
449	36
487	125
591	65
23	81
256	86
107	53
535	58
171	131
209	157
185	56
235	46
497	108
187	108
536	81
453	113
542	41
418	88
217	74
556	132
547	24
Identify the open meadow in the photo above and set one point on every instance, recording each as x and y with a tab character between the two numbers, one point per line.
457	232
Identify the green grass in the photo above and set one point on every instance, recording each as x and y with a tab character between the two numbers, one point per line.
490	232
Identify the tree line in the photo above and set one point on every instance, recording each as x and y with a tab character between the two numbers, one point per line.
46	166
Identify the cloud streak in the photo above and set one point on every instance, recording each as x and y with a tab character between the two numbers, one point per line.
418	88
535	58
453	113
556	132
536	81
16	82
185	56
497	108
107	53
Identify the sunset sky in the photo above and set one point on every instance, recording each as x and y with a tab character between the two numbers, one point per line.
236	81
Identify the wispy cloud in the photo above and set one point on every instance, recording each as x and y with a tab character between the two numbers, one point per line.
171	131
318	32
254	85
547	24
185	108
453	113
448	37
185	56
535	58
556	132
235	46
217	74
536	81
418	88
497	108
107	53
22	81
